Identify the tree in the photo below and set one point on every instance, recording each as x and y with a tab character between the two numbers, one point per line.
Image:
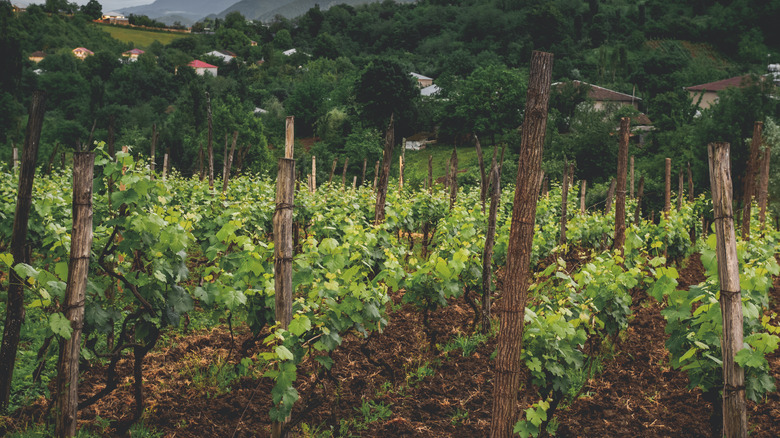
92	9
384	88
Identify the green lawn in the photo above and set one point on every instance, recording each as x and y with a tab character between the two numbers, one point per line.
417	161
141	38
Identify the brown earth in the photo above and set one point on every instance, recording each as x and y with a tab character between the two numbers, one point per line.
425	392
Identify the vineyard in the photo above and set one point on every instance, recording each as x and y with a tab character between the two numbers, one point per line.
387	336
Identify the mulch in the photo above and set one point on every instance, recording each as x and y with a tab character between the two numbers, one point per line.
423	392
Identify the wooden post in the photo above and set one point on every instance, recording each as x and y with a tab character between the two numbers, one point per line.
564	201
610	196
344	174
631	170
15	160
482	175
354	182
165	167
333	170
734	404
487	254
454	178
690	183
225	157
154	147
763	193
620	191
400	173
15	305
229	163
680	194
667	186
387	156
50	163
289	138
313	174
640	195
750	180
376	173
546	185
430	173
582	196
510	337
73	307
363	174
210	145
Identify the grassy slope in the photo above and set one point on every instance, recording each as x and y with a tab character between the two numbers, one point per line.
139	37
417	161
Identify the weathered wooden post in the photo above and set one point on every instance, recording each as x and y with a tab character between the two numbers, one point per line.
610	196
564	201
690	183
363	174
631	195
583	188
680	193
313	174
344	174
734	404
15	160
376	173
640	195
14	316
387	156
400	173
354	182
667	186
201	173
620	202
209	143
750	179
763	193
454	178
73	307
229	163
153	151
487	253
333	170
482	176
165	167
510	336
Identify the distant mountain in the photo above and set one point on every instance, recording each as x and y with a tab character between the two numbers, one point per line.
266	10
185	11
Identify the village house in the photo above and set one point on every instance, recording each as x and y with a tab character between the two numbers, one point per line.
115	18
82	53
422	81
133	54
706	95
37	57
202	68
225	55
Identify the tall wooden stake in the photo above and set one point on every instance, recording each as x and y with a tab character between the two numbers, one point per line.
734	404
763	193
620	191
154	147
667	186
209	144
750	179
14	316
631	174
482	176
313	173
381	193
680	194
510	336
487	254
690	183
610	196
344	174
73	307
363	174
640	195
15	160
582	196
376	173
165	167
333	170
564	201
229	163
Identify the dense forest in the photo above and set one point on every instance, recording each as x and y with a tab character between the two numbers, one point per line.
351	67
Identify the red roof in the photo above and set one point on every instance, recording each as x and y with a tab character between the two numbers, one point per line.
738	82
200	64
37	54
82	49
602	94
134	52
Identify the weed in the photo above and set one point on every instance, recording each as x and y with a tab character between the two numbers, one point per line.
460	416
419	374
467	344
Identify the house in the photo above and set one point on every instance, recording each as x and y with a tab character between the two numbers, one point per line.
602	97
115	18
708	93
290	52
133	54
430	90
202	68
37	57
225	55
422	81
82	53
253	43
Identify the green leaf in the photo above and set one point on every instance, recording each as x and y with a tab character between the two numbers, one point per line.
7	258
283	353
60	325
61	269
299	325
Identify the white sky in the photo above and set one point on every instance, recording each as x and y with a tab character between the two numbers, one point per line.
108	5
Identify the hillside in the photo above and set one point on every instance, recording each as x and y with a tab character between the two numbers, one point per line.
266	10
185	11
